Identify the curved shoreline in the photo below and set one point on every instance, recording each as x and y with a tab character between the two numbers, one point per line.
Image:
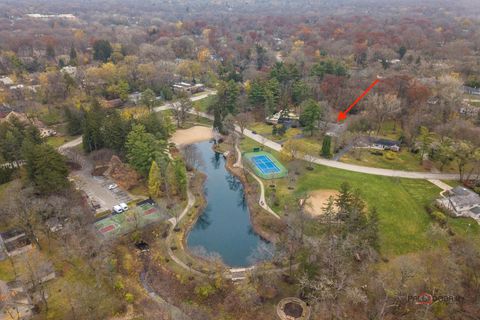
254	212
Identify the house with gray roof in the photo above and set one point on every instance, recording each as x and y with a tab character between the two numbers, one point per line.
461	202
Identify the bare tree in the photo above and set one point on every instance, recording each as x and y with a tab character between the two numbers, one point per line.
181	109
382	108
193	157
243	120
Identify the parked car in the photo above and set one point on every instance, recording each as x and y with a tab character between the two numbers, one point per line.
124	206
112	186
117	209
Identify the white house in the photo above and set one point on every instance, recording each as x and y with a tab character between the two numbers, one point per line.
6	81
461	202
384	144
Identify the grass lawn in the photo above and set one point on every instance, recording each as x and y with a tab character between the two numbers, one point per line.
57	141
453	183
6	271
404	160
404	223
77	283
192	120
203	104
390	130
247	145
265	130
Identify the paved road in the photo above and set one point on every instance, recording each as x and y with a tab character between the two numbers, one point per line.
356	168
70	144
324	162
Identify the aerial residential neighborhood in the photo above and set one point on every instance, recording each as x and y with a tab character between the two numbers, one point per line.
273	160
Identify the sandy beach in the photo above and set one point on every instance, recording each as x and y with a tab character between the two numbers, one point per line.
191	135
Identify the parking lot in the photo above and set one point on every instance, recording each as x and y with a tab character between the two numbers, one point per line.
96	188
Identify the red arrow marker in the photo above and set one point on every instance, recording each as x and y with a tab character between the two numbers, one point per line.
343	115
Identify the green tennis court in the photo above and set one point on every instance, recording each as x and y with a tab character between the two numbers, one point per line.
265	165
137	217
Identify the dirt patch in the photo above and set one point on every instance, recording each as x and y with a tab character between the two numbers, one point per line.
318	200
192	135
124	175
293	309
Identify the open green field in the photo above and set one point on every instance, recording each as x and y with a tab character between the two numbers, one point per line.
403	160
404	223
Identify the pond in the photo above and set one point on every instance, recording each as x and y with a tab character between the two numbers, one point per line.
223	230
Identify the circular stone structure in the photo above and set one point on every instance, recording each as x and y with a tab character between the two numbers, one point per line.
293	309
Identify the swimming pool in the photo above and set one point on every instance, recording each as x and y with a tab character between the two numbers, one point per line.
265	164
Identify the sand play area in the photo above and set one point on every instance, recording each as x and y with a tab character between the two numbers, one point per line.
192	135
318	200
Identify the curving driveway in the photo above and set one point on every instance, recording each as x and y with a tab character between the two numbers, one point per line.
324	162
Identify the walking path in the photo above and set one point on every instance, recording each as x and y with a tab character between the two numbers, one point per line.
174	312
261	201
174	222
440	184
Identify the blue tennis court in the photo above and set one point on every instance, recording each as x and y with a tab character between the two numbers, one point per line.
265	164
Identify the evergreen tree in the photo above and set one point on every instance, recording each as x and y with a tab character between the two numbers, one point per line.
61	63
355	218
180	178
327	147
256	95
50	52
73	56
45	167
92	131
401	52
225	103
114	132
262	58
143	148
13	133
372	235
158	125
74	121
300	91
102	50
311	116
344	199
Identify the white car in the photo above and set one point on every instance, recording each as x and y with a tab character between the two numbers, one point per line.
124	206
112	186
117	209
